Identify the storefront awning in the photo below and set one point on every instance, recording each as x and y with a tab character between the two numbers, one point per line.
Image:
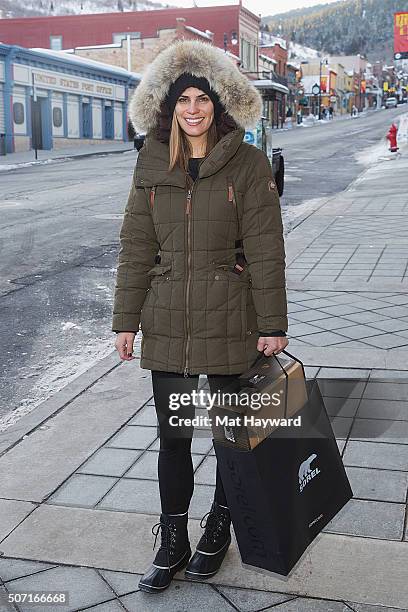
269	85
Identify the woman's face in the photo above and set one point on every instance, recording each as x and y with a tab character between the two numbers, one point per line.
194	111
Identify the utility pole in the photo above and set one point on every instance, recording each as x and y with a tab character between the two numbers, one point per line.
129	59
322	61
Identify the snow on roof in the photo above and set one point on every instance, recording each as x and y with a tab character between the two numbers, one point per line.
233	55
105	46
68	56
292	65
269	40
269	59
270	84
199	32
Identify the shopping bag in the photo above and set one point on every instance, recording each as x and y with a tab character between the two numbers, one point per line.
286	489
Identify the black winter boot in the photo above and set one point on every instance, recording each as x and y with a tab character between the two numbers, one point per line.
213	544
172	556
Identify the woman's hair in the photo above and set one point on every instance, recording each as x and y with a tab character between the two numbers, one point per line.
169	131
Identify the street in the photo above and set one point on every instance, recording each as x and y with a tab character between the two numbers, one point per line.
321	160
59	242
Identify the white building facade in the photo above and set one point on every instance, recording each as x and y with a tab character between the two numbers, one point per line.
51	99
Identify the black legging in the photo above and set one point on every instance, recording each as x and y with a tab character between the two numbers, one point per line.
175	466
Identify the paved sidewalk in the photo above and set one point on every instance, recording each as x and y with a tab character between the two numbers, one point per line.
12	161
78	487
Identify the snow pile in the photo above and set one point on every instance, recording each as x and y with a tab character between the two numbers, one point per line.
402	135
381	151
7	167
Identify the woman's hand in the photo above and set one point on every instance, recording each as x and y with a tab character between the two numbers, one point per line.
124	345
272	344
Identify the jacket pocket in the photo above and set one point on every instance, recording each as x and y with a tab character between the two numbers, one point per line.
226	270
159	269
236	289
156	297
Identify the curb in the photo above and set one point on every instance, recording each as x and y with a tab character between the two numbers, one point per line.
50	160
330	356
57	402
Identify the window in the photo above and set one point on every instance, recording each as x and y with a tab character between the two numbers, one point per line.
56	43
248	55
57	116
18	113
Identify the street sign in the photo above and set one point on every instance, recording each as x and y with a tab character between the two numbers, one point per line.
249	137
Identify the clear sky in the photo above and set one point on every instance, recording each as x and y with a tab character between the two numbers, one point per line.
264	7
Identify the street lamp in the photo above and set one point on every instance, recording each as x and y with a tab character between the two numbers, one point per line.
233	40
325	62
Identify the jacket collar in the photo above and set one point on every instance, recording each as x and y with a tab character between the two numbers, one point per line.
153	160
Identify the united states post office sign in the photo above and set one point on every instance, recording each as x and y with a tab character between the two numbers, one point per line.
71	84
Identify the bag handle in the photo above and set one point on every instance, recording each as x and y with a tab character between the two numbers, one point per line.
262	354
283	370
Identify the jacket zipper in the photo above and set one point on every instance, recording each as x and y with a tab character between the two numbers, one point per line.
188	212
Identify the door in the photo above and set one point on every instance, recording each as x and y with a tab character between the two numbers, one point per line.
36	124
108	122
86	120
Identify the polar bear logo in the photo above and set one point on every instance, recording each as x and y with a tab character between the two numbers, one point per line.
305	468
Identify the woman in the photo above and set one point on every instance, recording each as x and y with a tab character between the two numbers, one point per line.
201	268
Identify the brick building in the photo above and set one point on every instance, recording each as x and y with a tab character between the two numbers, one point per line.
233	27
136	53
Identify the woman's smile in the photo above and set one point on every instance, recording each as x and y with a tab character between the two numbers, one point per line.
194	121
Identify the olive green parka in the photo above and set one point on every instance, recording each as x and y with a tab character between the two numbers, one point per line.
197	315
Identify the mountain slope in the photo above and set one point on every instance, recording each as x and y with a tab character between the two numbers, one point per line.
42	8
345	27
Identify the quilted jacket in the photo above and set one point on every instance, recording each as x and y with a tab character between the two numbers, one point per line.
197	315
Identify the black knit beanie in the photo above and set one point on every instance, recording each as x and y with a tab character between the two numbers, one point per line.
189	80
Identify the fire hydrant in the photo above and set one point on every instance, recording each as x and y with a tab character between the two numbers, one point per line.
392	137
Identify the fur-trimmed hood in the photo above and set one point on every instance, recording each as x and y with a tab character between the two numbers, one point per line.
240	98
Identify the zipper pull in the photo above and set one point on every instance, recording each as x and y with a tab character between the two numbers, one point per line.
231	195
185	372
152	194
188	207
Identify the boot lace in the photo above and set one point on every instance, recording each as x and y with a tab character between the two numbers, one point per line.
215	525
168	538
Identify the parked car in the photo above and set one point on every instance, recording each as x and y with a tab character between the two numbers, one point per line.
138	140
278	167
391	102
264	141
